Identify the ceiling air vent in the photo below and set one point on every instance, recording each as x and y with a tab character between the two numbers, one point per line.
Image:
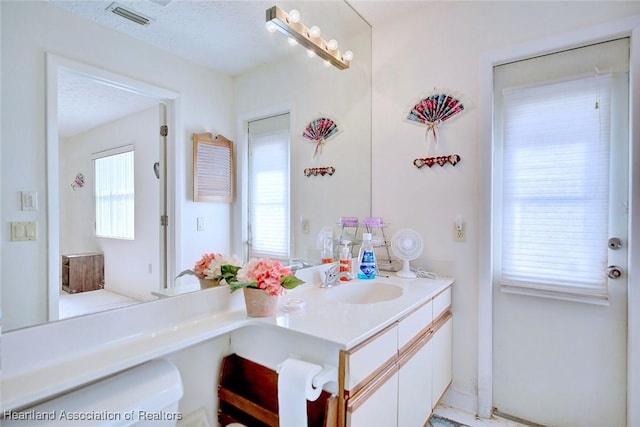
136	17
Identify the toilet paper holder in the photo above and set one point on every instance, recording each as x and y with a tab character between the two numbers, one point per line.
328	374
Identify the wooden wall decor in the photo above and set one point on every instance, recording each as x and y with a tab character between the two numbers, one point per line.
213	168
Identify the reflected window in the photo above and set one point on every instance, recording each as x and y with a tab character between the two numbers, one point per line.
114	193
269	206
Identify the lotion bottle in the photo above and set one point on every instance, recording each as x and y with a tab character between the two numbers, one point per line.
366	259
345	261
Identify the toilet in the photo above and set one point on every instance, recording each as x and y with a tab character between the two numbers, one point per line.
144	396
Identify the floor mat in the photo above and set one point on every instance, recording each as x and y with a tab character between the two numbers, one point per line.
437	421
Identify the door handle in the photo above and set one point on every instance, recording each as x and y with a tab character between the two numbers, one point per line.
614	272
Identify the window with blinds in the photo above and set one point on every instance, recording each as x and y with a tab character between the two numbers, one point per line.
114	192
269	206
553	146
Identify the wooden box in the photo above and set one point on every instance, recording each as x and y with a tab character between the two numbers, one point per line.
248	394
82	272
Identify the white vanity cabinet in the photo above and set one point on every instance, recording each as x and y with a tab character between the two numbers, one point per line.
415	360
442	344
414	388
368	381
396	377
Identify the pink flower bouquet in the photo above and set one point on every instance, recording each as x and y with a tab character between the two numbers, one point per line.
215	267
267	274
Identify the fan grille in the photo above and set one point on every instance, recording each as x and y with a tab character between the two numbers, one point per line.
407	244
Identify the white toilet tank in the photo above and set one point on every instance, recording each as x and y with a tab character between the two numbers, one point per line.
144	396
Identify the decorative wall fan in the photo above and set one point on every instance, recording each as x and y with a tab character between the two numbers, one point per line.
320	130
435	109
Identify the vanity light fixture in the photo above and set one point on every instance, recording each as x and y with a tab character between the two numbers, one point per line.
289	24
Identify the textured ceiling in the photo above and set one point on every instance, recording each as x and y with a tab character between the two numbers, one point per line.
227	36
78	112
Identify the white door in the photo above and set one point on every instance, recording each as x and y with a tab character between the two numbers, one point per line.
559	322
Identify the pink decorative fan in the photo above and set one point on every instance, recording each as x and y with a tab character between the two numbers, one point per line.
319	130
435	109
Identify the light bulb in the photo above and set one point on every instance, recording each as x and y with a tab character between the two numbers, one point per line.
292	41
327	63
271	27
314	31
294	15
348	56
332	45
310	53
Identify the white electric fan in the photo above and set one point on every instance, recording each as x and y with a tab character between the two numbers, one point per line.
407	245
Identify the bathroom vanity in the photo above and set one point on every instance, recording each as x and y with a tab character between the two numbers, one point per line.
390	340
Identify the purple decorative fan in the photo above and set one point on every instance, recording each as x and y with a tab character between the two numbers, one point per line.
435	109
319	130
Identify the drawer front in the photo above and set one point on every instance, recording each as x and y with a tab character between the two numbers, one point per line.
367	360
441	302
414	324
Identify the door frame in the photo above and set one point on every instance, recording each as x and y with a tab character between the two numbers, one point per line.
628	27
54	63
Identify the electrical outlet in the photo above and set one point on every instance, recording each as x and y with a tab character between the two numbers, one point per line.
459	232
304	224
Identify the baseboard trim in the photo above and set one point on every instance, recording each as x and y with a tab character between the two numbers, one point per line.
461	400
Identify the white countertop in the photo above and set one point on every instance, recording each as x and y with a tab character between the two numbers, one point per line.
36	367
344	324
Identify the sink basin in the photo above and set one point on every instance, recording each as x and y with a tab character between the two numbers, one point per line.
364	292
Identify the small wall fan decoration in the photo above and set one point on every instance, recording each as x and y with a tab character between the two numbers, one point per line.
78	182
435	109
320	130
453	159
320	171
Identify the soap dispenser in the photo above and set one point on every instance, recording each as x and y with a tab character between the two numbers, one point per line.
345	261
366	259
327	248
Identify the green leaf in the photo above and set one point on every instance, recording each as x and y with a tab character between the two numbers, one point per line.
229	273
234	286
290	282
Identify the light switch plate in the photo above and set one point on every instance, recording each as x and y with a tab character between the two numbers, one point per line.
23	231
29	200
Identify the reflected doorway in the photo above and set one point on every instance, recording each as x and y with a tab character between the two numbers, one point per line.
96	112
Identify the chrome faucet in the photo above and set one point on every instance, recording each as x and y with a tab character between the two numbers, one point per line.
332	276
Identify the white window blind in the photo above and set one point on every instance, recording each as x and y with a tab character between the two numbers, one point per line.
552	141
556	185
269	187
115	193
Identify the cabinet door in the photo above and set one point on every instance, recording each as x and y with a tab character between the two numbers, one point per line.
377	403
95	277
414	384
364	363
442	341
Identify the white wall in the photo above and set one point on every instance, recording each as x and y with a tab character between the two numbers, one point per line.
204	104
440	46
131	267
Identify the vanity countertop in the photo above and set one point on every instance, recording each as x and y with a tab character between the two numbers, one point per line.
346	325
36	367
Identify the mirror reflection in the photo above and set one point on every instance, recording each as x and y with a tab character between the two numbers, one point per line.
238	75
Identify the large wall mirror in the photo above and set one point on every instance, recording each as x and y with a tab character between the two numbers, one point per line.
269	77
